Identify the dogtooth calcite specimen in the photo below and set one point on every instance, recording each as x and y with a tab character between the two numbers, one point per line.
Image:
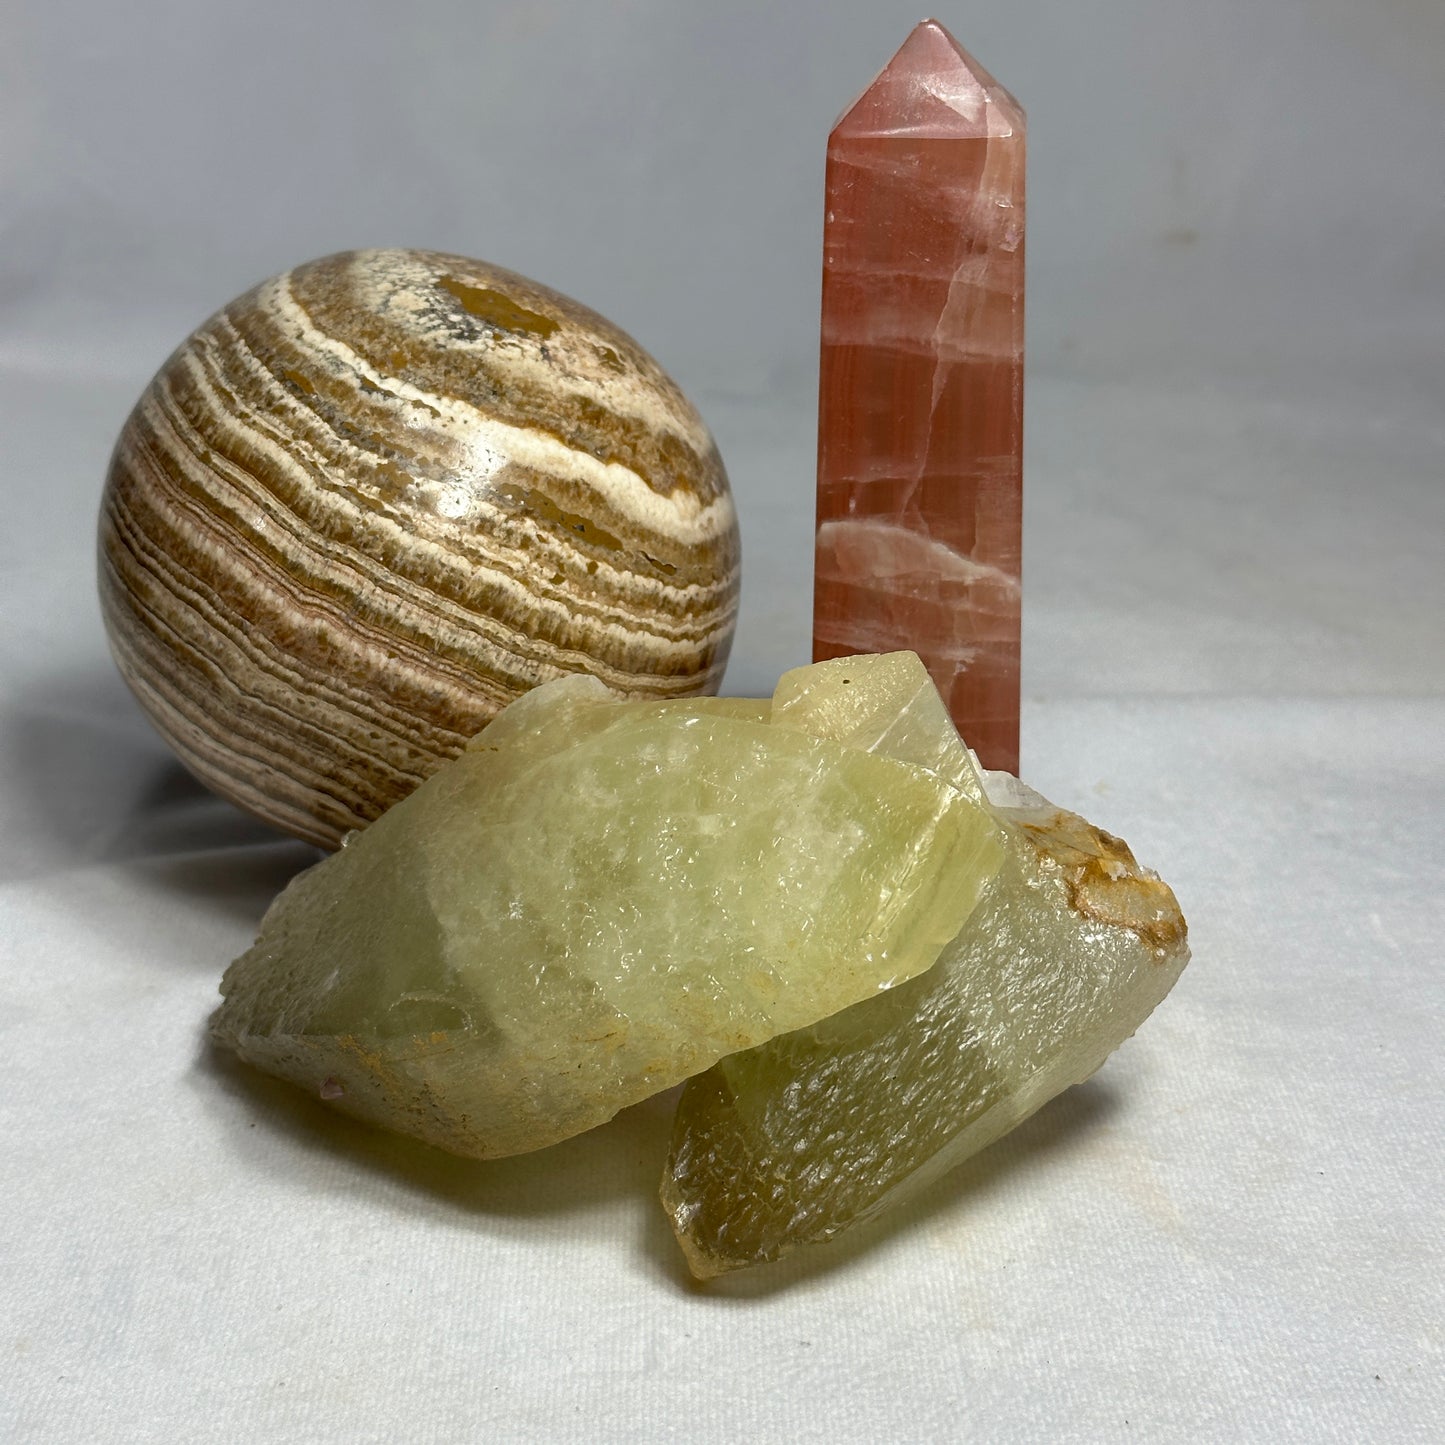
598	900
1070	950
376	498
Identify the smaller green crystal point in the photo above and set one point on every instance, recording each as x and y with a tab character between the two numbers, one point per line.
596	901
1070	950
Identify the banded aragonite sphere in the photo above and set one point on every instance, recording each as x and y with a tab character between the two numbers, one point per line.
375	499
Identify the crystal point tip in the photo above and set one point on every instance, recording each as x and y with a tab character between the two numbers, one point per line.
932	88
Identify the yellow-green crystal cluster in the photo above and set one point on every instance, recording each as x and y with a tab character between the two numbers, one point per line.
1070	950
596	901
869	958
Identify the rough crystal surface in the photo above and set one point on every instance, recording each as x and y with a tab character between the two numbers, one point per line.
920	428
1070	950
597	900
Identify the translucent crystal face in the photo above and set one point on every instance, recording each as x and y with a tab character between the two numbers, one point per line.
595	902
1070	950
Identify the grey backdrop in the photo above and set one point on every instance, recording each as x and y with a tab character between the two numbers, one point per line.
1234	656
1239	202
1228	185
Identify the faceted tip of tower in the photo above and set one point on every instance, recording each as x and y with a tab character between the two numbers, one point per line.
933	89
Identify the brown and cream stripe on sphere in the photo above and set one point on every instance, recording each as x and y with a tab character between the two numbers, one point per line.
372	501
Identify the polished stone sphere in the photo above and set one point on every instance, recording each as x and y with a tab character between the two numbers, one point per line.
378	497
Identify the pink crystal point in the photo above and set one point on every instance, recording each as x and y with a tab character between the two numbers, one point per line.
920	424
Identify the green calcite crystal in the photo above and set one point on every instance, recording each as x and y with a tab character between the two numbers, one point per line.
884	703
598	900
1070	950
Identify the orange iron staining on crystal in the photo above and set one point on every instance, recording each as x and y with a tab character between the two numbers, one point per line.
920	422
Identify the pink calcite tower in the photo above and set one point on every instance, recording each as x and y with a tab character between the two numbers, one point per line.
920	427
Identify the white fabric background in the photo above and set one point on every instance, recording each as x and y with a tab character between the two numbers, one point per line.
1235	658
